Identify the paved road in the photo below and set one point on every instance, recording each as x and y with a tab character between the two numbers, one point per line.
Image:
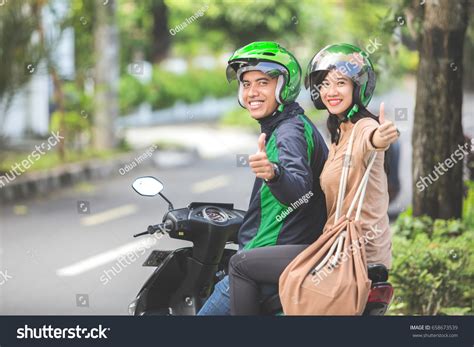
52	253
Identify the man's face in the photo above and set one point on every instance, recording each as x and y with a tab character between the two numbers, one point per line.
259	94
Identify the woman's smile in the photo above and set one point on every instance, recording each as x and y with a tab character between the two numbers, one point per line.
334	101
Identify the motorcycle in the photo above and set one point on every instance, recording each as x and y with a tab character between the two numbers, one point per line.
184	278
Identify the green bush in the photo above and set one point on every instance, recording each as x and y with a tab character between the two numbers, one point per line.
408	227
433	264
75	99
75	128
433	275
75	122
166	87
468	206
131	93
239	117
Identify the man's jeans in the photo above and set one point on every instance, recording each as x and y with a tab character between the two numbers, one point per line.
218	303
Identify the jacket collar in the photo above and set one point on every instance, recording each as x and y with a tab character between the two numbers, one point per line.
271	122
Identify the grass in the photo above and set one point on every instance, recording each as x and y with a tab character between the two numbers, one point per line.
239	117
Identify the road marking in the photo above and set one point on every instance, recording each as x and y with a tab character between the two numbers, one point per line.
109	215
210	184
108	256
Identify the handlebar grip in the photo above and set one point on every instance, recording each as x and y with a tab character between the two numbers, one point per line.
158	227
150	230
165	226
141	234
153	228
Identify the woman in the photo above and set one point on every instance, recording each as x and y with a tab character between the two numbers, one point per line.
342	80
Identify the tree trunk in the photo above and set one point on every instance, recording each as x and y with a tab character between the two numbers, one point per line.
59	101
106	109
160	35
437	129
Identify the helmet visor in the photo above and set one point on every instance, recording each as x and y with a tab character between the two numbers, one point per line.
236	69
351	65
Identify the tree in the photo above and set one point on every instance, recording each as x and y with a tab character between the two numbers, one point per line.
19	52
437	130
106	75
161	41
223	25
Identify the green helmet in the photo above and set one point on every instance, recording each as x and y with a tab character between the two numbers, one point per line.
350	61
271	59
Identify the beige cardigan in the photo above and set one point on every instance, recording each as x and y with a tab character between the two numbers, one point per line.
374	218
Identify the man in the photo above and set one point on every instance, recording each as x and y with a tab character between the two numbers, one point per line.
287	205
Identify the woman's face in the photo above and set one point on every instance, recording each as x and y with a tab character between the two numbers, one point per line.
336	92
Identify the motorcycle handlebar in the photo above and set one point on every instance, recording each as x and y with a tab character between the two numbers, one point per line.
162	227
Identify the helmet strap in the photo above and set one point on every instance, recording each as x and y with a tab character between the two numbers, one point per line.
348	114
353	111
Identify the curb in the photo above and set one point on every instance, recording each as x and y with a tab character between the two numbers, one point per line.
43	182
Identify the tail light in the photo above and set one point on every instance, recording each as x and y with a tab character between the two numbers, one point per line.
381	293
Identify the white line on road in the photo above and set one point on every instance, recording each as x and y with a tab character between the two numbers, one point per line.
211	184
106	257
109	215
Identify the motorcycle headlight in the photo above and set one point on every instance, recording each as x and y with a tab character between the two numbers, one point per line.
132	307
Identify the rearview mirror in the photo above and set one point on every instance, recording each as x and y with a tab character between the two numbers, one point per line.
147	186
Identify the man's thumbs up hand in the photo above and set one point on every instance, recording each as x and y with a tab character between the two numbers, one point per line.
261	142
259	162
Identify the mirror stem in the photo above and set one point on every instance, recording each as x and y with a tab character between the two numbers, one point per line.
170	205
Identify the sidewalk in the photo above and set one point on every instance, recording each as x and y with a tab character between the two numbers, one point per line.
209	141
193	142
43	182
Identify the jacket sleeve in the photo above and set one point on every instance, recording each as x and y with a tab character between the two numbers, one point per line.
296	176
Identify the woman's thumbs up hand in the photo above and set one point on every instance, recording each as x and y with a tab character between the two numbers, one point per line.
386	133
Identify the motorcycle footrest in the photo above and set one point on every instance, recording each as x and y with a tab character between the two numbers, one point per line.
156	258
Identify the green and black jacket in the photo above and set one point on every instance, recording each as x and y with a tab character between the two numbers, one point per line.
292	208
